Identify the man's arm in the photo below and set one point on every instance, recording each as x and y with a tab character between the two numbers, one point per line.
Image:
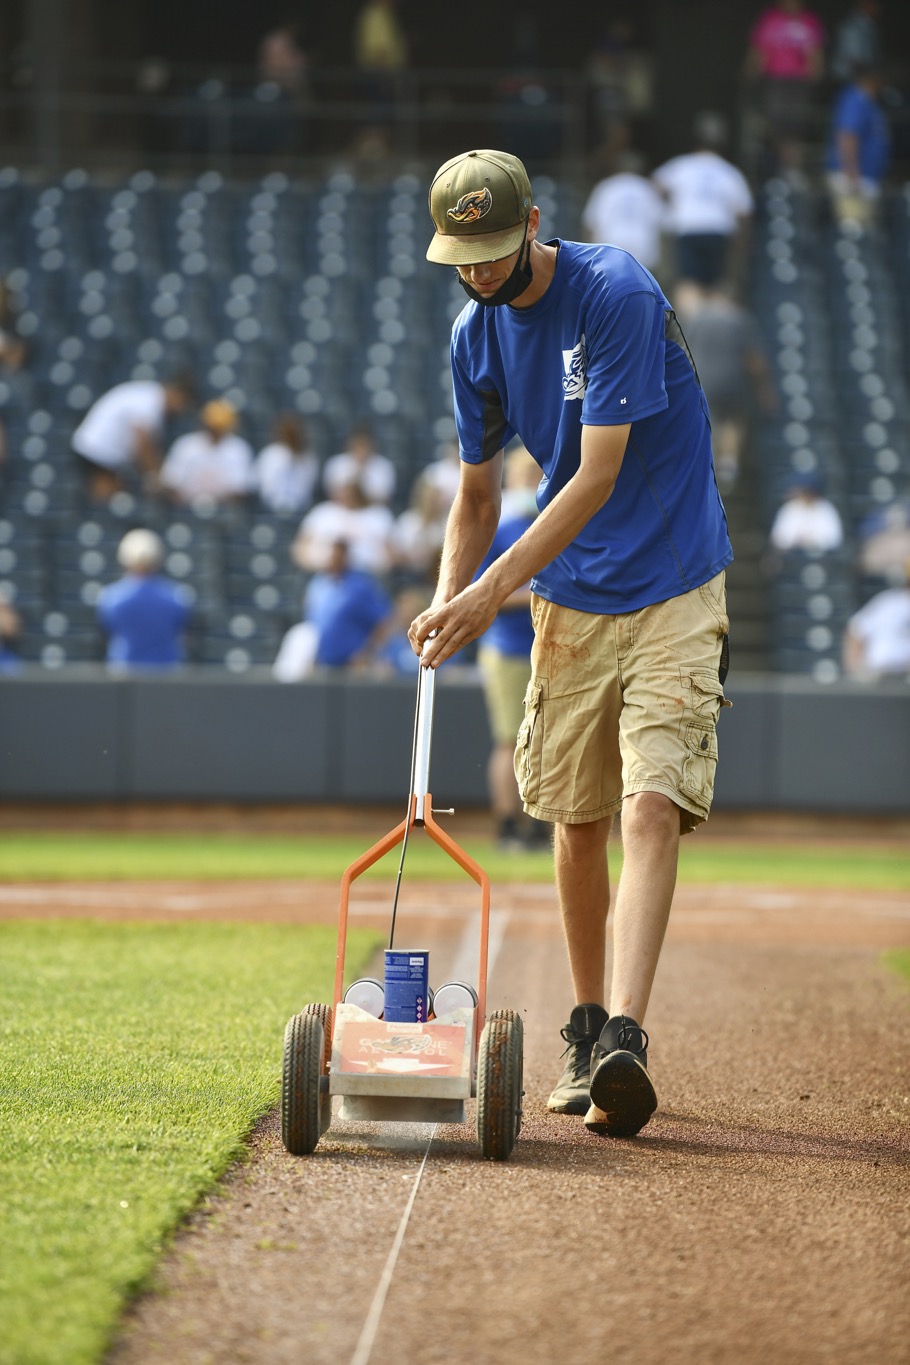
462	610
470	527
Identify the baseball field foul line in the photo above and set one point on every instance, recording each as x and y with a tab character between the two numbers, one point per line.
465	961
364	1346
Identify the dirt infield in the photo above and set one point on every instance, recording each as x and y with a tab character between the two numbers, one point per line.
763	1214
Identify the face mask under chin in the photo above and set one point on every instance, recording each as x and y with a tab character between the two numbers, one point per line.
516	284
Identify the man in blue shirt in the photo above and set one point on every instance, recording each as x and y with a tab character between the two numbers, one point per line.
859	148
574	349
144	615
347	608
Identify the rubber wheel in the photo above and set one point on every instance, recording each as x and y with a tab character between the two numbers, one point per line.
499	1082
301	1072
324	1015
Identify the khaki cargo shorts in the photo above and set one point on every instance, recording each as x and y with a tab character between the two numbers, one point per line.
623	704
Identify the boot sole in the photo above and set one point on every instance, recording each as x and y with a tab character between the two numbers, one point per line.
579	1106
622	1092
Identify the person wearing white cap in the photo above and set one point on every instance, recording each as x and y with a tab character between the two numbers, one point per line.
144	615
572	348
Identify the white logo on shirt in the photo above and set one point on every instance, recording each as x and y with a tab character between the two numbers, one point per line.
623	400
575	380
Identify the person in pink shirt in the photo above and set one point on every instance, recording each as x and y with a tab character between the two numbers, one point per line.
786	56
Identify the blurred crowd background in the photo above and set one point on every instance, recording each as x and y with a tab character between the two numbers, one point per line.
225	410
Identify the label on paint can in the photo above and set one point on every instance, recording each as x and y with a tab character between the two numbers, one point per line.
454	995
407	996
367	994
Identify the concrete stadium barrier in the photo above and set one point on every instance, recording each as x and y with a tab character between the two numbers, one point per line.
787	743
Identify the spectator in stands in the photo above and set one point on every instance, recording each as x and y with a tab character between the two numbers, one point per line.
277	104
806	519
785	56
729	352
504	658
709	208
877	638
118	441
394	652
380	54
13	350
619	75
281	57
361	460
144	615
859	148
857	40
212	465
419	530
885	541
10	631
444	472
366	528
286	471
627	210
344	611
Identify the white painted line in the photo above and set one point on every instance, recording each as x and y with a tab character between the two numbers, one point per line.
464	969
364	1347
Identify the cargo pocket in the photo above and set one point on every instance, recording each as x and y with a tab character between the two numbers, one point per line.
701	761
528	744
706	695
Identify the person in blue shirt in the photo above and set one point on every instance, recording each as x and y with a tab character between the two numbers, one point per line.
859	148
574	349
347	608
144	615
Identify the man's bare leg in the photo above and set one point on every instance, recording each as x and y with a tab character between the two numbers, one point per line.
583	887
622	1094
650	841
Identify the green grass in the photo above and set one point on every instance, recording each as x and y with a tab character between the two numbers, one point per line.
135	1060
89	856
898	959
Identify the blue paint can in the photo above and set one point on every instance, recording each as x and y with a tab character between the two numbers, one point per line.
407	993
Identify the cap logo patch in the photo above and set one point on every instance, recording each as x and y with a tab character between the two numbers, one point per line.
476	204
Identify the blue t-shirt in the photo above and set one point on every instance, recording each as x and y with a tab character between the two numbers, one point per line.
512	632
345	609
857	112
144	619
601	347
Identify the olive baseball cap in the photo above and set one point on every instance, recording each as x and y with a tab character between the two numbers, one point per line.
479	203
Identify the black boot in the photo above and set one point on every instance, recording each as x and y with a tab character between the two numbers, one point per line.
622	1095
571	1095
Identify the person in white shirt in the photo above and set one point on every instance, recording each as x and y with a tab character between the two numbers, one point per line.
362	461
212	465
806	519
419	531
118	441
877	638
444	472
709	206
286	471
627	210
349	516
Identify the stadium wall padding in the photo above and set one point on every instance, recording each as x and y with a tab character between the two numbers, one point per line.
787	743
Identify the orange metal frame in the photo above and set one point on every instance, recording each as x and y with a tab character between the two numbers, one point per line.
457	853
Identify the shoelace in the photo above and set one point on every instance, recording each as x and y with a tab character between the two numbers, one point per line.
573	1039
624	1037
